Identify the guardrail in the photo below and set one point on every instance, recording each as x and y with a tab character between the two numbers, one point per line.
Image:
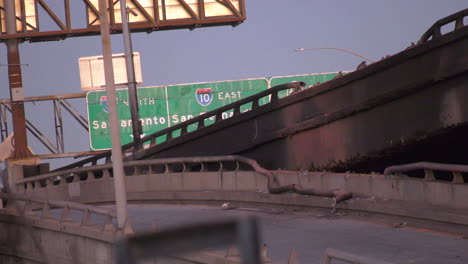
184	165
429	168
25	209
199	121
435	30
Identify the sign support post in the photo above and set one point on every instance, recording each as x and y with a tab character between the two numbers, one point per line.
16	85
132	92
117	163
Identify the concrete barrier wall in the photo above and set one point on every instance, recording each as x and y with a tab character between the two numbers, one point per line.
61	243
69	243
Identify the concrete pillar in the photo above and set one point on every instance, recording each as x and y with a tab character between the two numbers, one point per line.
11	175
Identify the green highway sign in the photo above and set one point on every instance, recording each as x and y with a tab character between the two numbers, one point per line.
189	100
164	106
152	110
161	107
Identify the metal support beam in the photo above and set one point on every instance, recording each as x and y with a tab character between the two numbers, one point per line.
3	122
132	92
16	85
58	120
47	143
74	113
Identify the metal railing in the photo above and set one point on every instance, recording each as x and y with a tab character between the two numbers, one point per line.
429	168
199	121
23	205
435	30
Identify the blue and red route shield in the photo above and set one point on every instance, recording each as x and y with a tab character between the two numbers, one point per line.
204	96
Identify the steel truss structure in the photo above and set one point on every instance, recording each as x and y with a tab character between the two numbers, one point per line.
60	103
146	16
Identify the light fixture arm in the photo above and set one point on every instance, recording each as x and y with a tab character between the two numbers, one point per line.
331	48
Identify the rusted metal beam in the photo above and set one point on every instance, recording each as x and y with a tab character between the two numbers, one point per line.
16	85
157	19
143	11
93	9
66	5
201	9
52	15
47	98
23	15
188	9
55	35
163	7
59	101
39	135
228	4
74	113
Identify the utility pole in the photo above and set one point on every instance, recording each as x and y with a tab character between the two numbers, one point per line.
16	85
132	91
117	163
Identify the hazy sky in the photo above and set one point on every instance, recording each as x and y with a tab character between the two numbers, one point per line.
260	47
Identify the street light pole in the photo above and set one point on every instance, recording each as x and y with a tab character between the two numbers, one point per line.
132	92
117	162
331	48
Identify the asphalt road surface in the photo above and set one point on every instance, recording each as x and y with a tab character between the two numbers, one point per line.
312	231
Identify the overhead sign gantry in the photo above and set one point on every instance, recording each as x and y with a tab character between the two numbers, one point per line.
146	16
